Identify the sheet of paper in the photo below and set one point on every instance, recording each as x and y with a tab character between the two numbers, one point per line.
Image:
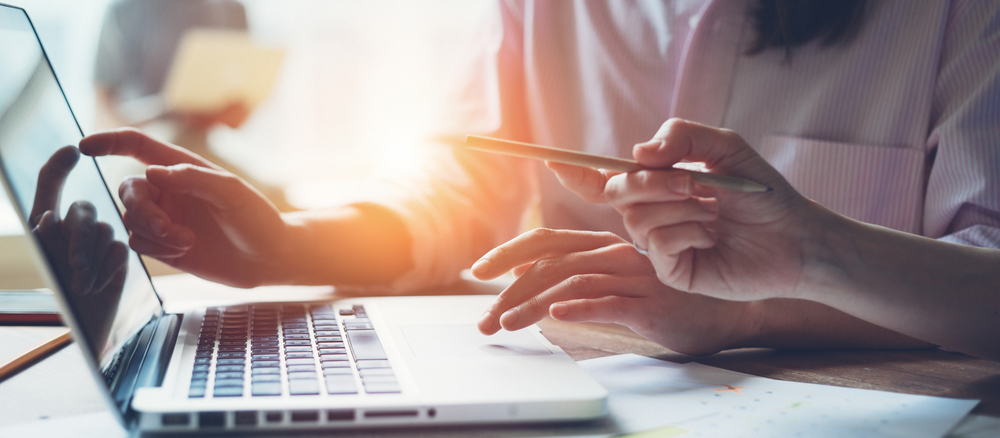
216	68
652	398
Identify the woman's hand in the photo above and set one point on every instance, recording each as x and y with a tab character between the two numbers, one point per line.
193	215
586	276
732	245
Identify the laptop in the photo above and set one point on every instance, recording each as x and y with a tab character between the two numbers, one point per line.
350	363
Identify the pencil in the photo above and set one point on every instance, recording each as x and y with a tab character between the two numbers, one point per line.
527	150
22	360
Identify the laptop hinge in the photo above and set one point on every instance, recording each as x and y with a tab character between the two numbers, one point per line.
145	360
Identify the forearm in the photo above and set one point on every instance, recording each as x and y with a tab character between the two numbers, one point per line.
801	324
939	292
361	244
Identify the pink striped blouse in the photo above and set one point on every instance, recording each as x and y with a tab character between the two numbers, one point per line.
900	127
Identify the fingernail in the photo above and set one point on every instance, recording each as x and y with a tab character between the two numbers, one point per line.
559	310
485	323
157	226
679	184
509	318
651	145
481	266
709	205
185	239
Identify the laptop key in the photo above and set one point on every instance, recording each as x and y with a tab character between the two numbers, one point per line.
301	368
228	382
362	364
265	378
303	387
365	345
229	376
368	372
196	392
302	375
265	357
341	384
265	388
382	388
228	391
266	370
227	368
300	361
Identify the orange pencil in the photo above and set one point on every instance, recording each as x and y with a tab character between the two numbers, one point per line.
22	360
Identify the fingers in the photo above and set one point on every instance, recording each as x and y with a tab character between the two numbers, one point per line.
114	269
80	227
608	309
131	142
584	271
585	182
144	217
721	150
640	219
647	186
109	260
536	244
668	250
217	187
679	139
157	248
583	286
51	178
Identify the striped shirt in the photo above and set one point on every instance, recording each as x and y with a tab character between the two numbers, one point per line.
898	127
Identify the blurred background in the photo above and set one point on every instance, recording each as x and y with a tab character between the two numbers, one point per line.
360	82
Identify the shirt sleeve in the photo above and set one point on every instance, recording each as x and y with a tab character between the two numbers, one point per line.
963	186
459	204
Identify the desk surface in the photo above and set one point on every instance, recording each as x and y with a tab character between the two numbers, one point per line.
61	385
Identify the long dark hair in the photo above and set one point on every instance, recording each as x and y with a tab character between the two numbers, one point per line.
792	23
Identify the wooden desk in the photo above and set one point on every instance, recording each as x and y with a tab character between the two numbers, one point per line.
61	385
927	372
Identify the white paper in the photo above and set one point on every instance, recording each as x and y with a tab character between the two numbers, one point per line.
694	400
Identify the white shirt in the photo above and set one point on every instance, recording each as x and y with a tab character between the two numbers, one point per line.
900	127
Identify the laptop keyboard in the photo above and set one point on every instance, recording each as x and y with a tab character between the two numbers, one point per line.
294	349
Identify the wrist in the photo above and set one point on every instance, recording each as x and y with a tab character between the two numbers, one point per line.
828	244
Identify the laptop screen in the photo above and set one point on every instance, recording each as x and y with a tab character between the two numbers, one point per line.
63	198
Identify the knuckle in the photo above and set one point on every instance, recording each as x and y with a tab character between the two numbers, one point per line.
534	303
582	282
541	233
545	267
504	301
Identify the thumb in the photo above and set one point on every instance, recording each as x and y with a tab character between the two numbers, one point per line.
723	151
219	188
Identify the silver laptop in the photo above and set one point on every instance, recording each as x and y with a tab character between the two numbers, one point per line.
357	363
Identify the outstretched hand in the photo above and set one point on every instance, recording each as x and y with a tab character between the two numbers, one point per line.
192	214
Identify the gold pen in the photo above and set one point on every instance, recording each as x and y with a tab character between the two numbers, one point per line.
527	150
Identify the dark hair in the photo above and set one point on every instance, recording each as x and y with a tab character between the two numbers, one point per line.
791	23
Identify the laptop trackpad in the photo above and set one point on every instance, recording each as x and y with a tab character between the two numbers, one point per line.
461	340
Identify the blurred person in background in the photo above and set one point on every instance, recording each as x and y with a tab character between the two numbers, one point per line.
138	41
